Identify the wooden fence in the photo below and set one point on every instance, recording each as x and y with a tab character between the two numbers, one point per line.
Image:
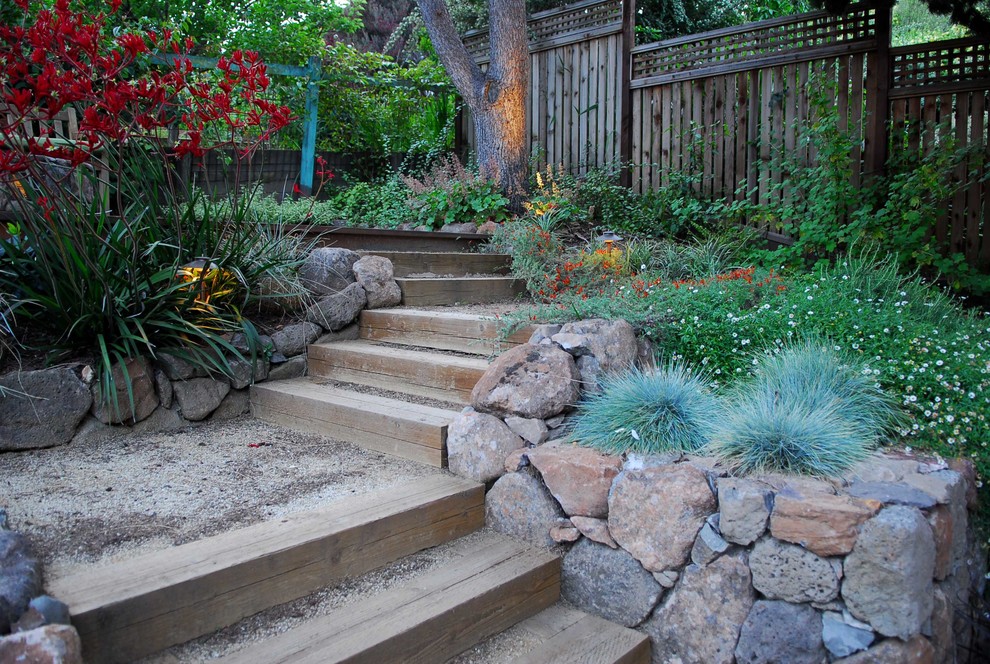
726	107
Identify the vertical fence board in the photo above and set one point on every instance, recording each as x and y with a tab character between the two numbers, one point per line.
975	186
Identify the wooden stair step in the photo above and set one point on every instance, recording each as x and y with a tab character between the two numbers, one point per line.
400	428
467	333
418	292
405	263
486	589
418	372
145	604
569	636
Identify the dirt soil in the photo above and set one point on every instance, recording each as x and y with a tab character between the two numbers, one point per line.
95	503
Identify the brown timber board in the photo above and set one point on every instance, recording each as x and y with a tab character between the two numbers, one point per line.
405	263
485	590
573	637
404	429
474	290
467	333
139	606
434	375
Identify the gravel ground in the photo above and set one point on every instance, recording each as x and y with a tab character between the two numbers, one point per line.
100	502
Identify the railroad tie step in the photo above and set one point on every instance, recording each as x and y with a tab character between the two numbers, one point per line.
148	603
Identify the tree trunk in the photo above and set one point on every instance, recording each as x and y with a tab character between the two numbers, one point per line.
496	97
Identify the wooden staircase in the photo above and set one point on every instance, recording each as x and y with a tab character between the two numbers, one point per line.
370	392
452	278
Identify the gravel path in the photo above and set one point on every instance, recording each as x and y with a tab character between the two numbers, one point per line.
96	503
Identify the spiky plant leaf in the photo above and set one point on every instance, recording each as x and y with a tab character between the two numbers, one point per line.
661	409
808	410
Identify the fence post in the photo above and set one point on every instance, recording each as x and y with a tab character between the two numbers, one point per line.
625	96
878	87
309	128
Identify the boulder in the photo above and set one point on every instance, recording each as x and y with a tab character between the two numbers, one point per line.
198	397
888	575
292	340
564	532
43	610
327	270
967	470
528	381
708	546
943	636
236	404
477	445
843	635
916	650
51	644
336	311
744	509
177	368
242	374
820	522
701	618
134	396
881	468
350	332
578	477
594	529
944	486
466	228
293	368
375	274
600	346
777	631
163	386
488	227
20	577
532	430
892	493
940	519
41	408
608	583
520	506
656	513
542	333
788	572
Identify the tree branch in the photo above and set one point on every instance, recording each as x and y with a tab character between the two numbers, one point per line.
461	67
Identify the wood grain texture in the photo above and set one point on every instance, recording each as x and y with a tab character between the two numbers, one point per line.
404	429
150	602
467	333
573	637
475	290
405	263
485	590
417	372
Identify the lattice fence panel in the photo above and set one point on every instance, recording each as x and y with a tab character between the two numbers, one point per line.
755	41
556	24
954	61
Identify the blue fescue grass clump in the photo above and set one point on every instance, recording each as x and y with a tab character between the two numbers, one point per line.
660	409
807	410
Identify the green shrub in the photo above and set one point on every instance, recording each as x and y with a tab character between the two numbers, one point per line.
82	280
662	409
451	194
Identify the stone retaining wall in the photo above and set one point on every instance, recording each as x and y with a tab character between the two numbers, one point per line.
876	566
54	406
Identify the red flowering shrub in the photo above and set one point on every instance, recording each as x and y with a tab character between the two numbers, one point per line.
85	276
62	57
